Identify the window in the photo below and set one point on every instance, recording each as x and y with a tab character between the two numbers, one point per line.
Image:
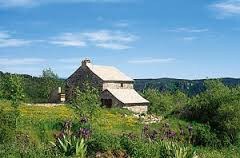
121	84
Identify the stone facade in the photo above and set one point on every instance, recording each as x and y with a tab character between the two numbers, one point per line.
117	85
80	77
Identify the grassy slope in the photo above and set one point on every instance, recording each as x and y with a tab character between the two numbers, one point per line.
42	122
36	119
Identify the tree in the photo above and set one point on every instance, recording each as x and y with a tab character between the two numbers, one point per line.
50	82
48	73
12	89
86	100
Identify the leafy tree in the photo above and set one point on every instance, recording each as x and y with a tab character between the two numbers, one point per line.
12	89
86	100
48	73
50	82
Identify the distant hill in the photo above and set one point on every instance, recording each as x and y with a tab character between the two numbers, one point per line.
190	87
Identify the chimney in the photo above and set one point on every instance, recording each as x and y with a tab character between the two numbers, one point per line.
86	62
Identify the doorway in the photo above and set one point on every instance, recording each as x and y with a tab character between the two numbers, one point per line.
107	103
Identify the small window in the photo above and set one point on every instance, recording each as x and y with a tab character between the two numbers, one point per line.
121	84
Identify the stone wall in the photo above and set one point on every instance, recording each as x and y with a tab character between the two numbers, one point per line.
137	108
80	77
117	85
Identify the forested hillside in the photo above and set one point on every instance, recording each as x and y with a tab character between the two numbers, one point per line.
190	87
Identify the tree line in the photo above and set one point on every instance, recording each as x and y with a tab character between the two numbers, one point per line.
34	89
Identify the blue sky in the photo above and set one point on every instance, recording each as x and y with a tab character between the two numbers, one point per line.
144	38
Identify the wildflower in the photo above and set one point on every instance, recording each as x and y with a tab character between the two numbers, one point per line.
83	120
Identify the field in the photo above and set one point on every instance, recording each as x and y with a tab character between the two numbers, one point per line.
42	123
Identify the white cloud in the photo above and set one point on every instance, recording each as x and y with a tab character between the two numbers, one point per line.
227	7
106	35
20	61
68	39
115	46
7	41
189	30
31	3
152	60
103	38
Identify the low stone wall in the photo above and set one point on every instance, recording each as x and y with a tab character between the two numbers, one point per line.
137	109
45	104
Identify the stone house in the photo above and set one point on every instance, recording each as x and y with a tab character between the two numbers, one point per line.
116	88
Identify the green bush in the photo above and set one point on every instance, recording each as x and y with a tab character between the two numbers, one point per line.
203	136
7	126
86	101
165	103
101	142
138	148
218	106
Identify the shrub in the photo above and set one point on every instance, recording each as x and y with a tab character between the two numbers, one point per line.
165	103
86	101
171	149
219	107
102	142
203	136
157	149
137	148
7	126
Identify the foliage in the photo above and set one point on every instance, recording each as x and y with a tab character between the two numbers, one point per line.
71	142
102	142
48	73
12	89
50	82
36	89
70	145
171	149
159	149
7	126
165	103
86	100
219	107
203	136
